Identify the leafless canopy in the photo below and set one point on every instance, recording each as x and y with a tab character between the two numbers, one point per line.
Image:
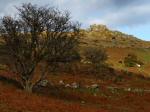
36	34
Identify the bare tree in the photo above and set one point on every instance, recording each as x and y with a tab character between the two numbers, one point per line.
38	34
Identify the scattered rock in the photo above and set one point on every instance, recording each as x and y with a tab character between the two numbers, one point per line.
75	85
138	65
127	89
147	91
94	86
43	83
138	90
83	102
61	82
85	61
67	85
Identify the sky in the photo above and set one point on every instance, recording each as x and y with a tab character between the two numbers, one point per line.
129	16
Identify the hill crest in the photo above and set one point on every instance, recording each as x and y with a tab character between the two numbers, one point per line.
102	35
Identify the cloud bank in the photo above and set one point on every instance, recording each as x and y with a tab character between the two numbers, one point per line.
117	14
128	13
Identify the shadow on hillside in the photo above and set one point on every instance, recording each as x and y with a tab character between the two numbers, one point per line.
10	81
58	92
49	90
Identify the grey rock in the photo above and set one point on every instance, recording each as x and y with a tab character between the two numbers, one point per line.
75	85
43	83
67	85
61	82
94	86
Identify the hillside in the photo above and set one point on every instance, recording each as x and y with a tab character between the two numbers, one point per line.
118	45
125	89
101	35
117	55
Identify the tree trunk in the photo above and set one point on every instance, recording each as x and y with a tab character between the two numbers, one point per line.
28	87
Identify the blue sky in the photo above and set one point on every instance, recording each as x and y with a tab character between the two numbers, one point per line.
129	16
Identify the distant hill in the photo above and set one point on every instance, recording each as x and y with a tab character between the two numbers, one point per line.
101	35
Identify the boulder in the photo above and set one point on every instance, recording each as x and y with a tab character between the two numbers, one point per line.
138	65
43	83
75	85
67	85
127	89
61	82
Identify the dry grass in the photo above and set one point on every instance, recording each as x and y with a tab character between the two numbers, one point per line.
58	98
12	98
118	54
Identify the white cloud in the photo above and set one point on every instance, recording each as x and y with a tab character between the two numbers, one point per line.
116	13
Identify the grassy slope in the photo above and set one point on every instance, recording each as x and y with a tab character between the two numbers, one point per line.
119	48
118	54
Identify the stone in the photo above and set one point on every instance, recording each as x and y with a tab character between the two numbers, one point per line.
85	61
43	83
61	82
83	102
138	65
75	85
67	85
138	90
127	89
94	86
